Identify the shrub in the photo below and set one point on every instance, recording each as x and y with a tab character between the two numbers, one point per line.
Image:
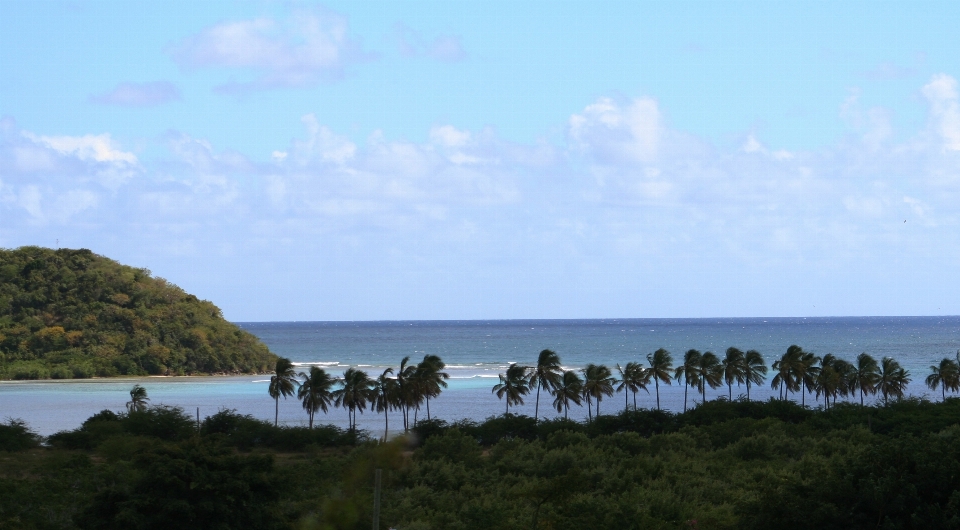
16	436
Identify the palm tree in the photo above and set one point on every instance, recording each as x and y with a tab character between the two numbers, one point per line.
282	383
513	385
806	373
354	393
711	373
407	389
546	375
785	379
314	391
945	376
688	371
430	377
633	378
734	369
384	397
661	364
597	382
754	369
866	375
893	379
829	378
570	388
138	399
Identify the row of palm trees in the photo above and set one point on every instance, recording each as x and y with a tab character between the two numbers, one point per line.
405	390
796	371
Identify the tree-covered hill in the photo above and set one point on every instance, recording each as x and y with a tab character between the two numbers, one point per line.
72	313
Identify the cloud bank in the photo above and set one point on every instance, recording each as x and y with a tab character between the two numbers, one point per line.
625	204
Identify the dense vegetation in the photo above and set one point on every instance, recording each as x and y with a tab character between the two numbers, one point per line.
73	314
721	464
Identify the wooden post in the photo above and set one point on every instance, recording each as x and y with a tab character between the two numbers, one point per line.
198	419
376	501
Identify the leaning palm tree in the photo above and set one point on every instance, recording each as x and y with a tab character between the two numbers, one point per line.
513	385
893	379
633	378
431	378
570	388
805	372
282	383
138	399
354	393
786	368
829	379
546	374
661	364
597	382
711	373
866	375
314	392
384	397
689	372
754	369
945	375
734	369
407	389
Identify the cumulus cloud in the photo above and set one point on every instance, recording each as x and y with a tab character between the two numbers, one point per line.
622	189
55	178
941	93
310	46
614	132
139	94
99	148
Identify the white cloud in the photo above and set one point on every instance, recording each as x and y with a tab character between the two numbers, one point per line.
941	92
322	144
99	148
309	46
615	133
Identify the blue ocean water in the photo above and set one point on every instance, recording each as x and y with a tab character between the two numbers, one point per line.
477	351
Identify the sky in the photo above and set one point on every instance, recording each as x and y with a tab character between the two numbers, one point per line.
395	160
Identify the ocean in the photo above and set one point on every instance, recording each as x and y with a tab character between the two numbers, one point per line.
477	351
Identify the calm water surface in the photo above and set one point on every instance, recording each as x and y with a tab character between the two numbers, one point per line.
476	351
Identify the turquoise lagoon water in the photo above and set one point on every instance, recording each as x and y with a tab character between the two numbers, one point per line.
477	351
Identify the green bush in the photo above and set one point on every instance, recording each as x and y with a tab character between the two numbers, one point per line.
16	436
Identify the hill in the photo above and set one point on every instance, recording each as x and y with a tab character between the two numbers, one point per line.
74	314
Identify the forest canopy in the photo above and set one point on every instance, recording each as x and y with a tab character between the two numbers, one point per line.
75	314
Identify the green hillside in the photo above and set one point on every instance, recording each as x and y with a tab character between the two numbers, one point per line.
73	314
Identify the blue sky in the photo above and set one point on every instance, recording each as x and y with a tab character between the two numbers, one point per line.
438	160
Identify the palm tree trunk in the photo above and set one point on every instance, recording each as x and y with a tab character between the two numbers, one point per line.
626	402
276	411
565	407
685	386
508	407
598	406
386	423
428	408
730	388
634	400
536	408
748	391
656	382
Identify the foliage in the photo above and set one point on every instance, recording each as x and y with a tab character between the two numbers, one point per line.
73	314
722	464
16	436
